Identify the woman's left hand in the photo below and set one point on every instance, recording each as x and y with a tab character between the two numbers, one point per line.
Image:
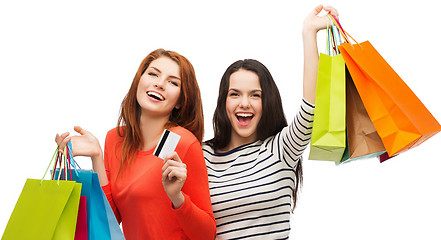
315	23
174	174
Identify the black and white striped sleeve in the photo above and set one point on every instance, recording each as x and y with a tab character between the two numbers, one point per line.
292	141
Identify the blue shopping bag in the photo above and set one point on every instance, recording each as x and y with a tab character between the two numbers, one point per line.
97	224
101	221
115	230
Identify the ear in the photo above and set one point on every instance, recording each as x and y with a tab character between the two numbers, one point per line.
179	103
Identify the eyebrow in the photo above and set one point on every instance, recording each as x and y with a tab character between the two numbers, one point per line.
171	76
252	91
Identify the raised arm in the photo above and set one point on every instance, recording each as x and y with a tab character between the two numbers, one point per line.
293	140
312	24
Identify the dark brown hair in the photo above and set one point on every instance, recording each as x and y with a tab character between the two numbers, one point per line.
273	119
189	115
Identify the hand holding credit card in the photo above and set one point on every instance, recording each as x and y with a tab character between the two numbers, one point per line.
167	144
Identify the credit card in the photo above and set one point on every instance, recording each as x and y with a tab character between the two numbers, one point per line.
167	144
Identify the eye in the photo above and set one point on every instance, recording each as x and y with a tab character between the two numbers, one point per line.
152	74
173	83
256	95
233	94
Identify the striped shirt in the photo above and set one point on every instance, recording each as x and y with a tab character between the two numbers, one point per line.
251	186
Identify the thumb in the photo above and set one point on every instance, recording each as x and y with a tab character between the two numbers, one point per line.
79	130
317	9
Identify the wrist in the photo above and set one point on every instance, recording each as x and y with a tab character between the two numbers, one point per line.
97	159
178	200
309	30
98	155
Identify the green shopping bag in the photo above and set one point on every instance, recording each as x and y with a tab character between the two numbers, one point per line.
328	139
46	209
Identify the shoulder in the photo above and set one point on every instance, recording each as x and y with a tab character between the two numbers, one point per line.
186	136
113	137
113	134
187	140
207	147
208	151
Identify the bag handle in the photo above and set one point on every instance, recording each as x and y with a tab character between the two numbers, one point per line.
72	160
59	157
65	160
333	39
50	163
340	29
328	47
61	160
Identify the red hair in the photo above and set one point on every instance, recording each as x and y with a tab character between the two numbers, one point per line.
189	115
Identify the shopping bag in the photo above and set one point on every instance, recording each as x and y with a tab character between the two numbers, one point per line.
45	209
363	139
101	223
383	157
81	229
97	222
328	138
115	230
400	118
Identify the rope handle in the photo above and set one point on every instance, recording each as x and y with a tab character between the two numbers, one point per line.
333	38
65	161
340	28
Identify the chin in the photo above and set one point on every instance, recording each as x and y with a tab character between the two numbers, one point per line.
248	135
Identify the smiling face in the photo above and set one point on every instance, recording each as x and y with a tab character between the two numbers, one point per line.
159	88
244	106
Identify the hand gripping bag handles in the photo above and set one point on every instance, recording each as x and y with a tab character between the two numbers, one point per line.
400	118
45	209
328	139
101	221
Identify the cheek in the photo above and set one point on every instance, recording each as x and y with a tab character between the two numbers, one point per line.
230	105
176	94
139	93
258	108
142	85
229	109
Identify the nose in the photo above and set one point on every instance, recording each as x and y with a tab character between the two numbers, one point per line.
244	103
160	83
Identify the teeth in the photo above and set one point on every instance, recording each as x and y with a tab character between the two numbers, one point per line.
155	95
244	114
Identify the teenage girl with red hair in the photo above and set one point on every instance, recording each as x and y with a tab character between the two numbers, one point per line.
151	197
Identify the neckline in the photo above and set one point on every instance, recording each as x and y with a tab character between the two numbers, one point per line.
150	151
147	152
236	149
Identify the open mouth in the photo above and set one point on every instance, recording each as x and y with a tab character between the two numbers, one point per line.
156	96
244	118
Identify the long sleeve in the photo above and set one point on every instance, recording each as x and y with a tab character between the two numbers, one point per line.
195	215
292	141
107	189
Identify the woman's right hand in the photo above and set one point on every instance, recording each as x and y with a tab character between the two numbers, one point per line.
315	23
84	145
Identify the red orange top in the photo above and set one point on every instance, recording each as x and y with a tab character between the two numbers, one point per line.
138	198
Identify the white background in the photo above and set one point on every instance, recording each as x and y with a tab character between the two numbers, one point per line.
66	63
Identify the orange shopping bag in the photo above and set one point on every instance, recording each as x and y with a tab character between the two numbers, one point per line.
400	118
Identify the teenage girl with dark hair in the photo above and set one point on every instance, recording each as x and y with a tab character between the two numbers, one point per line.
254	161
